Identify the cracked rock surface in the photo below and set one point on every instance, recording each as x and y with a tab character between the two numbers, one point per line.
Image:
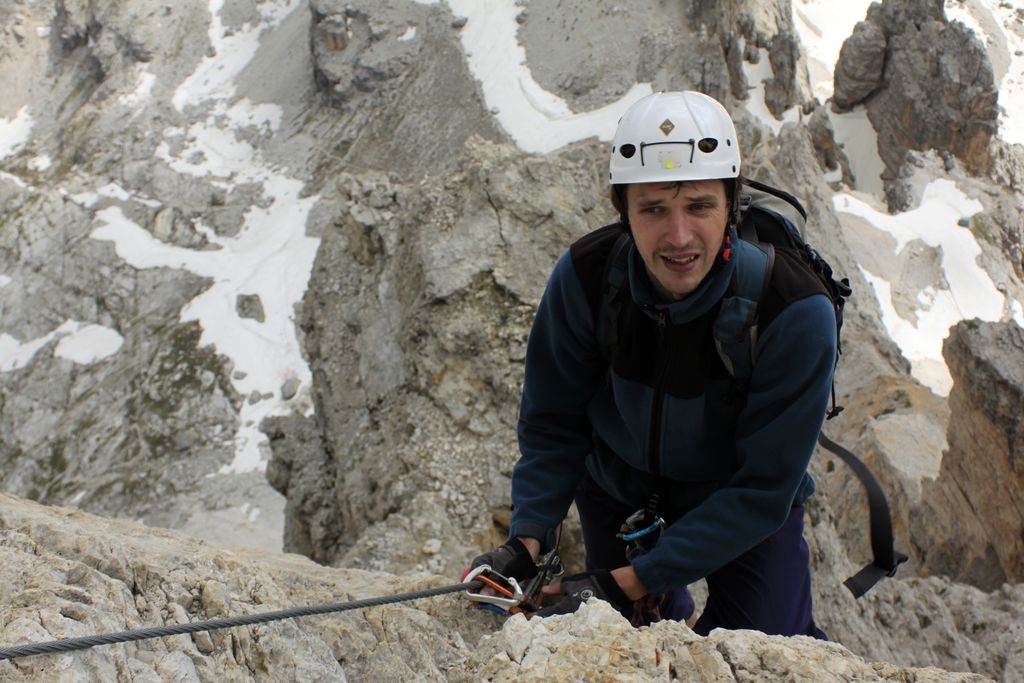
69	574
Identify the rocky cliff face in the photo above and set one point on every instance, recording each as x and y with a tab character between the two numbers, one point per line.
433	289
975	507
183	158
956	512
927	84
132	200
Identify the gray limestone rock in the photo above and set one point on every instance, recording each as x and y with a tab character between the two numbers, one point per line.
830	155
392	100
171	225
975	507
933	101
302	470
913	621
68	574
767	25
589	51
926	83
783	90
250	306
415	321
562	648
1008	218
860	66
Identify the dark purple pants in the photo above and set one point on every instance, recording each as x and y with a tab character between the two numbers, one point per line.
767	588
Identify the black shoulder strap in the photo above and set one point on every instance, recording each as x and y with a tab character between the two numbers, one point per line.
735	328
613	282
886	558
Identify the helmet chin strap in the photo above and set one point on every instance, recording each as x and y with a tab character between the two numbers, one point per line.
733	190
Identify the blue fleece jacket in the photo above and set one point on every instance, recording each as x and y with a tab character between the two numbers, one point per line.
732	484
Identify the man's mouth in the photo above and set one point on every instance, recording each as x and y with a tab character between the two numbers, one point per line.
680	260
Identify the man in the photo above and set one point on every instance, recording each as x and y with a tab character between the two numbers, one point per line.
653	428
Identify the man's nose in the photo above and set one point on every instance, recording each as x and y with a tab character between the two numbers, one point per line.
679	229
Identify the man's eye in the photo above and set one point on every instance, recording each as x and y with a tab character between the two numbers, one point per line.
699	207
651	209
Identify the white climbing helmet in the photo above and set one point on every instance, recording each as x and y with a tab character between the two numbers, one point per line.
672	136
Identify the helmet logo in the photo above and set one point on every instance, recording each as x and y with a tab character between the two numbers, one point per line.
667	126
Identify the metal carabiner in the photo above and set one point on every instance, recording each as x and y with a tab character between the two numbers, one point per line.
656	525
509	595
640	532
548	568
640	524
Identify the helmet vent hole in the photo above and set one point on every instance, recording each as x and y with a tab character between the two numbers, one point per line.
728	142
627	151
707	145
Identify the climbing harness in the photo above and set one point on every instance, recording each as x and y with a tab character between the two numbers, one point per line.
71	644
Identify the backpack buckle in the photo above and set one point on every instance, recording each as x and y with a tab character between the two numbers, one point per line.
898	559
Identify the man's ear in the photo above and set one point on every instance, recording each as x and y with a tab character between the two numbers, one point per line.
733	189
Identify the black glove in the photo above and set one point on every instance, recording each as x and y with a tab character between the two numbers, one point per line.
510	560
578	588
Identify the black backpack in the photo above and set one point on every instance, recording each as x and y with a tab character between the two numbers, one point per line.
768	218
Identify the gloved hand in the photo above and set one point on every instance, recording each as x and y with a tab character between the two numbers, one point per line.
578	588
511	559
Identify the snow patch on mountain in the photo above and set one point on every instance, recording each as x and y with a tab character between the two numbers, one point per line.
78	342
14	133
537	120
230	52
962	291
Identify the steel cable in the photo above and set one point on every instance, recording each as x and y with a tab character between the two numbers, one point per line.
71	644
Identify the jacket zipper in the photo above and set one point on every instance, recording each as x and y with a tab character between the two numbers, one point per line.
654	439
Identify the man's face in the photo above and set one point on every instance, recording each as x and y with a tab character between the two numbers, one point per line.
678	229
